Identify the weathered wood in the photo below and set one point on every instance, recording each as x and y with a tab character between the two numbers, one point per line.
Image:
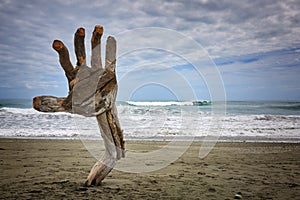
108	121
79	46
100	170
110	54
92	92
96	47
49	104
64	60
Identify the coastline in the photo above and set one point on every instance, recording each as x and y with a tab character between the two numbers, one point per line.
197	139
56	169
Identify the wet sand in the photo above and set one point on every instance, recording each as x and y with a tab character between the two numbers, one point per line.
57	169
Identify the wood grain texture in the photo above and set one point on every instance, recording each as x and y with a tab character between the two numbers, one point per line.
92	92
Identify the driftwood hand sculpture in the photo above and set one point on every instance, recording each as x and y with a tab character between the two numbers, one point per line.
92	92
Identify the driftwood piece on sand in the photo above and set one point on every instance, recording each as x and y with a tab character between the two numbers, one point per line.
92	92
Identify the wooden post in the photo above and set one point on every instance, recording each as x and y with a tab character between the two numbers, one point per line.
92	92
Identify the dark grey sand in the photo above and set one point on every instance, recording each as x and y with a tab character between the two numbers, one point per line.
57	169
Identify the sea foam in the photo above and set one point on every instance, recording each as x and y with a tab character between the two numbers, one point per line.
159	121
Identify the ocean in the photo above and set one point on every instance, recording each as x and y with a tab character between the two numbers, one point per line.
257	121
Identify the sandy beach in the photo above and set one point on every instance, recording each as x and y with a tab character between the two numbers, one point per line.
57	169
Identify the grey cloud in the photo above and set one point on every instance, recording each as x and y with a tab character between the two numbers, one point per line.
224	28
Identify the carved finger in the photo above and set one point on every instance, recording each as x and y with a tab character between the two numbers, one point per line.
64	59
49	104
96	47
110	54
79	46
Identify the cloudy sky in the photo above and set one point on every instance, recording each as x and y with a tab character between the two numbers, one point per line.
251	49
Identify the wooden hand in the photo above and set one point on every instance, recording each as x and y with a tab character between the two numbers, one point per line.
92	92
